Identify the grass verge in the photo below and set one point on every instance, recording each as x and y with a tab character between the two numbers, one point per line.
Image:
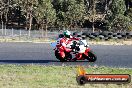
40	76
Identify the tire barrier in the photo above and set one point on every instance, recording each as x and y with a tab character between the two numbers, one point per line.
108	35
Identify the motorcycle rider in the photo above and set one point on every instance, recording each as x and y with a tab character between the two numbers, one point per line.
63	43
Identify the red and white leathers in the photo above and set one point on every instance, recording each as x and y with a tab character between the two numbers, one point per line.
63	43
62	46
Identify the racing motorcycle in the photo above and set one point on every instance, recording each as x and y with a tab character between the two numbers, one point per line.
78	47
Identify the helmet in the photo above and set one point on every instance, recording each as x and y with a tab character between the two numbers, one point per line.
67	34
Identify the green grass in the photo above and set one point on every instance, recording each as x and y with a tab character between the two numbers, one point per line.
39	76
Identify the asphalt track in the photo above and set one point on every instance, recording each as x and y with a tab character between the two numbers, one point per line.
42	53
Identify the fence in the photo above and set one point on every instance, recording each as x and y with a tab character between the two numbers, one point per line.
24	34
53	33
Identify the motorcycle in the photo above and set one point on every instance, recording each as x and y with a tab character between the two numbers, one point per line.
78	47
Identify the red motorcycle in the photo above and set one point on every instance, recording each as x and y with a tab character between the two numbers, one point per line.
78	47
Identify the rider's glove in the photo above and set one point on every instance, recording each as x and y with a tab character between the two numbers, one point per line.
77	48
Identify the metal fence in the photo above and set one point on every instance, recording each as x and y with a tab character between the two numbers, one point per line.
53	33
22	33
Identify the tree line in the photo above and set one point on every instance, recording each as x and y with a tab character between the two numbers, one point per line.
42	14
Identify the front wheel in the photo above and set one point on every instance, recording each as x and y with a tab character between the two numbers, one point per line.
91	56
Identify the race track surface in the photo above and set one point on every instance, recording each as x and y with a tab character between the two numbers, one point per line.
42	53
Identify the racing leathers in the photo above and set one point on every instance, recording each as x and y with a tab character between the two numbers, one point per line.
63	45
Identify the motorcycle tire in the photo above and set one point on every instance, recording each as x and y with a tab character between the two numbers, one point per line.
58	56
91	56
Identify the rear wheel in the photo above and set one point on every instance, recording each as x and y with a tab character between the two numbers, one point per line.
59	57
57	54
91	56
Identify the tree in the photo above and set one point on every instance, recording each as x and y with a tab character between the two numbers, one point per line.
1	13
60	7
116	19
75	12
5	10
28	7
45	14
69	12
129	15
128	5
5	7
91	14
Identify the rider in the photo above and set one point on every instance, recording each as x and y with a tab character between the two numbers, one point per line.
63	43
